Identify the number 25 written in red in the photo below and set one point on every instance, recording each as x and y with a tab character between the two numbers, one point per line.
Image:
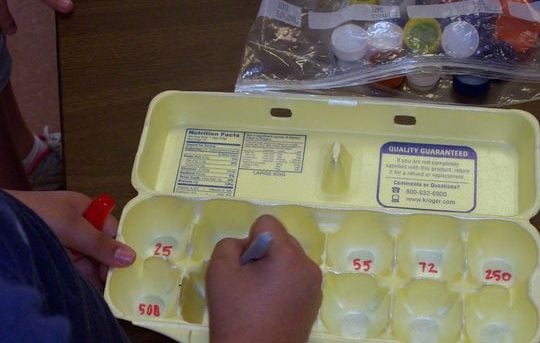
162	250
362	265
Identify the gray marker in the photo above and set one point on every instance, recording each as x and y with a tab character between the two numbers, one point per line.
258	248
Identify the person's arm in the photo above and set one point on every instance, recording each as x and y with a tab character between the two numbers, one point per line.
274	299
22	320
41	283
7	23
63	212
61	6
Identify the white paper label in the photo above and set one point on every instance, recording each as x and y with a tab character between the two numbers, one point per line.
361	261
428	264
497	271
529	11
282	11
454	9
329	20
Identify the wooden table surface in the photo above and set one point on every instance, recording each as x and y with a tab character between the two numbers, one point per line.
115	55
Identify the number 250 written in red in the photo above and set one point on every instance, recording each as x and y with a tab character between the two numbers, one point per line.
497	275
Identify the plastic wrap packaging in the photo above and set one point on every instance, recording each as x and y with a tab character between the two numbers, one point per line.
475	51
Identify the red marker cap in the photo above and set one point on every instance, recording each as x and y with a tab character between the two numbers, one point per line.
99	210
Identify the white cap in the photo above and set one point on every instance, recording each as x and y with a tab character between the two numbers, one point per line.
349	42
460	39
384	36
423	81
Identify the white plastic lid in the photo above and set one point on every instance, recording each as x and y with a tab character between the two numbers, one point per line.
423	81
349	42
460	39
384	36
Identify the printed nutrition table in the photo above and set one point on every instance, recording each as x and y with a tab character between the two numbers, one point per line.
209	162
211	159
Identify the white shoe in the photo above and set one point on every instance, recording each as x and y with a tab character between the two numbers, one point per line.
47	171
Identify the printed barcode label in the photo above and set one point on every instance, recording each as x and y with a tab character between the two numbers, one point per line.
454	9
282	11
329	20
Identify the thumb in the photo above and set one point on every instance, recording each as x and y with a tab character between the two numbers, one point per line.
62	6
7	23
89	241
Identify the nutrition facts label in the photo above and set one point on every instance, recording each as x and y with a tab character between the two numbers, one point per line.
427	176
273	152
211	159
209	162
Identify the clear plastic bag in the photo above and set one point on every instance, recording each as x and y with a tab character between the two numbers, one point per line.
414	49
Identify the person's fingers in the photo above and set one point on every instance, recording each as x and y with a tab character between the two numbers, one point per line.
7	23
295	242
62	6
281	239
80	203
85	239
228	249
111	226
77	233
225	258
271	224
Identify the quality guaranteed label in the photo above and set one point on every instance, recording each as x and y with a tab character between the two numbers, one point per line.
427	177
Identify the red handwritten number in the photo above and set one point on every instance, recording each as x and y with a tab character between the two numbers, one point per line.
149	310
162	250
158	248
166	251
428	267
358	264
497	275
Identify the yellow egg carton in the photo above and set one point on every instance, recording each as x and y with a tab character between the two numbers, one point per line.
418	215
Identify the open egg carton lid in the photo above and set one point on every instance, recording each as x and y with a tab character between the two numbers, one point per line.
440	192
341	152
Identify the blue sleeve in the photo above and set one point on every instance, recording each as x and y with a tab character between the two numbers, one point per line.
21	318
42	296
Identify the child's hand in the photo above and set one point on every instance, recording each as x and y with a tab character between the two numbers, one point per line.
63	212
7	23
274	299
